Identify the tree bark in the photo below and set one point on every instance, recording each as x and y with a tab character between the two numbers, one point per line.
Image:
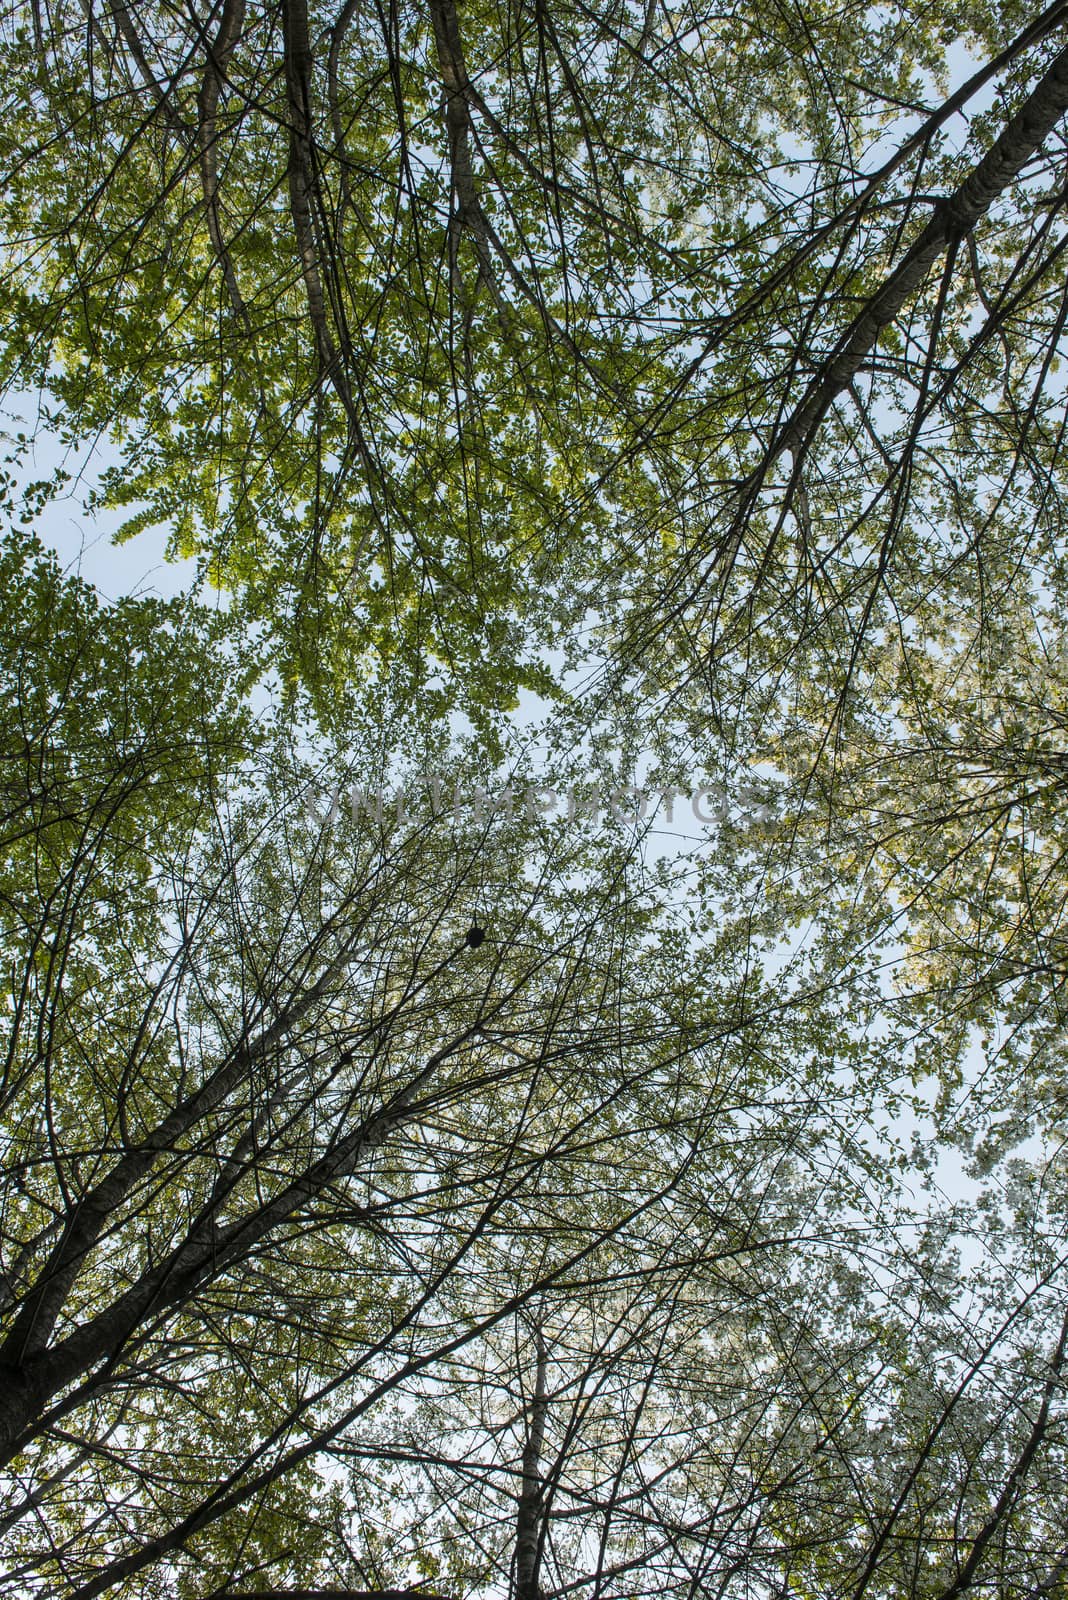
528	1529
953	219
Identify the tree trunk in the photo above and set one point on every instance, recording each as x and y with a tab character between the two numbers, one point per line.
529	1517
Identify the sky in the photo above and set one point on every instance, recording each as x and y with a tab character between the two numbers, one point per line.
83	541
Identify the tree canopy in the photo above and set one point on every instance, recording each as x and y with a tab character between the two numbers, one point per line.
535	992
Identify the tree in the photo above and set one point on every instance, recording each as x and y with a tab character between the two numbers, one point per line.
253	1074
712	355
380	306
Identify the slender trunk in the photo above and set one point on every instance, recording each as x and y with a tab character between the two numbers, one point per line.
34	1320
233	20
1015	1481
303	193
208	1250
529	1516
953	219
